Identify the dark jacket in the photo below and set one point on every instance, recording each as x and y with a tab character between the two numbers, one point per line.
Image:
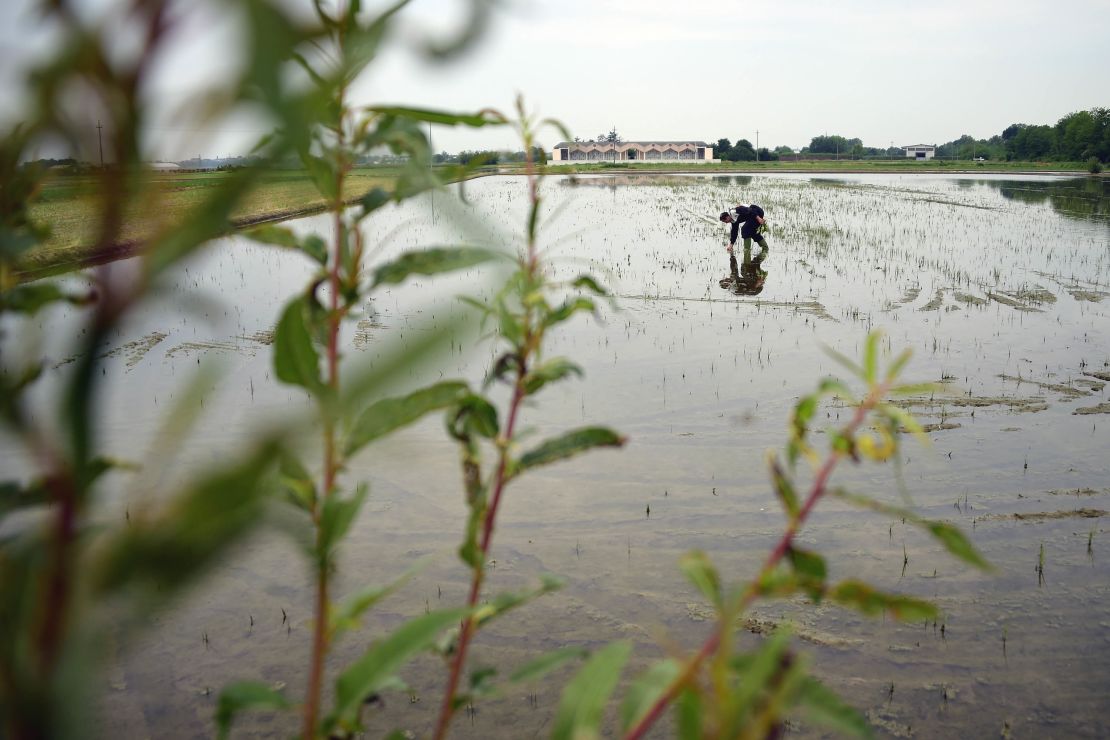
744	215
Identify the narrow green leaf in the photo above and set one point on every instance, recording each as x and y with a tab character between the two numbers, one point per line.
778	583
589	283
345	616
843	360
956	543
298	483
377	665
323	175
481	118
807	564
550	371
509	325
13	496
544	664
313	74
871	357
362	43
373	200
584	698
824	707
868	600
700	571
689	713
197	525
30	298
474	415
568	445
245	695
568	309
390	414
765	663
336	517
506	602
899	363
431	261
210	219
915	389
646	690
295	358
278	236
803	414
784	489
950	536
836	388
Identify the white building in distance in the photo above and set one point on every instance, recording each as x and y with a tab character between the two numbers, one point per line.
921	151
687	152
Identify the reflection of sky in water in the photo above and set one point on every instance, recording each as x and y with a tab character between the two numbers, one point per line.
982	278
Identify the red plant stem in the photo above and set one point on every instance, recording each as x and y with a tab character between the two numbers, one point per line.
817	491
320	627
447	710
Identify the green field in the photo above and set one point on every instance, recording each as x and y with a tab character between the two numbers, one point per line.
69	205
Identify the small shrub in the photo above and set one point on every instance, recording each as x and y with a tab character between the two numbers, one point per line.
1094	166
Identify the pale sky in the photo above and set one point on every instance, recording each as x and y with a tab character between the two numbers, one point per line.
881	70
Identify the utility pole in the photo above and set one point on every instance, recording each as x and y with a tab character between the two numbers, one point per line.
757	145
100	140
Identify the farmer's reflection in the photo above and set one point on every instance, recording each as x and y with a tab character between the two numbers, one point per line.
748	278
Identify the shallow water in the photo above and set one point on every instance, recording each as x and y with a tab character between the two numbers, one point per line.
1000	285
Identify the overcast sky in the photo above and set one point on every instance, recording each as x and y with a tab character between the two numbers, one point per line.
881	70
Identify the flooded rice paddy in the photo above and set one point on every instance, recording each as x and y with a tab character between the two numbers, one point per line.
1000	285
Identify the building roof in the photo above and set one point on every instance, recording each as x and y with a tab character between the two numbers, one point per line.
684	142
919	146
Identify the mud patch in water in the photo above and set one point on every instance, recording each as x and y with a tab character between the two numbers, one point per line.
1040	516
136	350
1102	408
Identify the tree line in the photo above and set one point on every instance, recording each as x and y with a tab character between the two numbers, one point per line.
1081	136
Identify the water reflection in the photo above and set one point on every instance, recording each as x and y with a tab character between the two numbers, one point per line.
747	278
1086	198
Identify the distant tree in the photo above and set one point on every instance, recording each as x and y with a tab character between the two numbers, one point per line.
1011	131
782	151
1077	136
1033	142
723	147
766	155
742	151
480	156
612	137
836	145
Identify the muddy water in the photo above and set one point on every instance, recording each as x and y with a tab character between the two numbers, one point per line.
1000	285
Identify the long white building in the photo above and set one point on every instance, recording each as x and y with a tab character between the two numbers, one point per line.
572	152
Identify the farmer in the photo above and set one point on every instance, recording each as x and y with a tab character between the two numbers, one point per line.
753	228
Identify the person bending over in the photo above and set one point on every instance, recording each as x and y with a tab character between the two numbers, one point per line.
748	223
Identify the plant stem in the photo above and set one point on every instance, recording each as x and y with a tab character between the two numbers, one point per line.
817	491
527	344
331	462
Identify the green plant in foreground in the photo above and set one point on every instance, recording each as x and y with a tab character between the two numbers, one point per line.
524	311
718	692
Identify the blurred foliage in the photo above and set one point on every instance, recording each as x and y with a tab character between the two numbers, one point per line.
61	578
